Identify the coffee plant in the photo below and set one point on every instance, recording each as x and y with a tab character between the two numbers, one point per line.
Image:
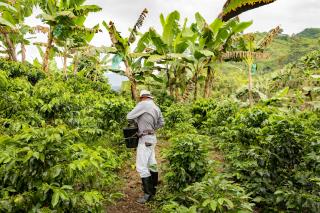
214	194
49	167
187	160
268	151
56	139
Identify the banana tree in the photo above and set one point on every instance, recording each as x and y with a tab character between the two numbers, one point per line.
12	27
248	50
212	42
5	27
123	52
69	47
92	62
167	49
64	18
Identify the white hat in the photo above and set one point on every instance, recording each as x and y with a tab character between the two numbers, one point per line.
145	93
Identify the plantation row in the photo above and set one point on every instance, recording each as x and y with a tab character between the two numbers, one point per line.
56	141
60	149
250	144
228	157
270	159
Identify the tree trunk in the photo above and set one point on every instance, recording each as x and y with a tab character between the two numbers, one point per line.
170	85
133	82
195	96
45	65
23	52
250	86
11	48
189	88
75	63
65	64
208	83
177	94
134	90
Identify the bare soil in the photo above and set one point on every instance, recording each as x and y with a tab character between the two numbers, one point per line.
132	189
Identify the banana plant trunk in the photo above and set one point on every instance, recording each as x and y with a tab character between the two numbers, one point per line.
189	88
11	48
170	84
208	83
133	82
23	52
177	94
195	96
75	63
250	85
45	65
65	64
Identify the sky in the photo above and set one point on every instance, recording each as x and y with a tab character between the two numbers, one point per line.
292	15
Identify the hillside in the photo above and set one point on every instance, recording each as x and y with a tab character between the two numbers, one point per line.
310	33
287	49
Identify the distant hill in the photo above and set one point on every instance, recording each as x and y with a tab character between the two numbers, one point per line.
287	49
313	33
283	50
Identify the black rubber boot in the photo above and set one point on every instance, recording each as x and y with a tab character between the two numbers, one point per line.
148	190
154	177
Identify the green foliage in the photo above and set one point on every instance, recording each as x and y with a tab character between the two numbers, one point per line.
219	117
188	162
200	110
3	80
56	141
286	49
310	33
177	113
51	167
267	151
214	194
302	78
179	120
14	69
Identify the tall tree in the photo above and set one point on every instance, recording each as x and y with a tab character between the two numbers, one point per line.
167	49
212	42
247	50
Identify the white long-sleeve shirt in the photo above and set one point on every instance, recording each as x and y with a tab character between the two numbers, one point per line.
147	115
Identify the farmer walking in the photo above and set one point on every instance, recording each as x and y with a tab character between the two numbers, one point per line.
149	118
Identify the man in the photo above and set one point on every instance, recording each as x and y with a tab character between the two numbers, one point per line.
149	118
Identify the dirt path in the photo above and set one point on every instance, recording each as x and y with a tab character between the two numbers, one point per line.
132	188
131	191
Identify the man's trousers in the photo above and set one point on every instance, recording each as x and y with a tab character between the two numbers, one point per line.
146	156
